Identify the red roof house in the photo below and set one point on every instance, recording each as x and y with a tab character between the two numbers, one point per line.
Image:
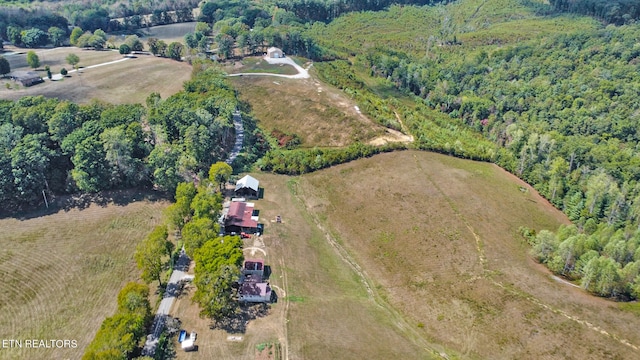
239	218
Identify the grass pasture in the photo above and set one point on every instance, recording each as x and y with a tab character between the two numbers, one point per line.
259	65
62	272
167	33
323	309
129	81
320	114
437	239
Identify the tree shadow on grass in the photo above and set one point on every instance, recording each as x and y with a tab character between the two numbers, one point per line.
237	324
83	201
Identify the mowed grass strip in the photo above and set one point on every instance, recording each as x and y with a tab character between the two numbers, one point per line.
320	114
330	314
439	237
129	81
61	273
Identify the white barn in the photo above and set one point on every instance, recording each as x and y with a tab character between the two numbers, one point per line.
248	187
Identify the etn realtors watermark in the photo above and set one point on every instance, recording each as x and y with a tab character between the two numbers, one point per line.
38	344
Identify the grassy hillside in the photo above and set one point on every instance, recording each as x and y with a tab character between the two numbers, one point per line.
438	239
62	271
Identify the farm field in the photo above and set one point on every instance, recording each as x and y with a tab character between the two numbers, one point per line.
62	271
437	238
323	309
319	114
129	81
167	33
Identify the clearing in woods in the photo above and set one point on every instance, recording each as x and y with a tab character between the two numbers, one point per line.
413	255
61	271
318	113
436	238
129	81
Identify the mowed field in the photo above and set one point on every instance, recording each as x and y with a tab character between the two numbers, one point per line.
319	113
61	272
323	310
129	81
437	240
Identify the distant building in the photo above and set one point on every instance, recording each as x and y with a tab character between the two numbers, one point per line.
248	186
240	218
26	78
274	52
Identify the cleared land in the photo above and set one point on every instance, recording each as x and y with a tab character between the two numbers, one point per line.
323	309
61	272
129	81
320	114
437	239
168	33
259	65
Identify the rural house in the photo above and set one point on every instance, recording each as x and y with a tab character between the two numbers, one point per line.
26	78
248	186
252	286
274	52
253	291
240	218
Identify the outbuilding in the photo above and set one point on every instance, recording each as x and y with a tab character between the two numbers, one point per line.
248	187
274	52
26	78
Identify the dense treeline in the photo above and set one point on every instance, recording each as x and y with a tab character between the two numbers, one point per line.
120	335
560	111
327	10
300	161
32	27
49	147
611	11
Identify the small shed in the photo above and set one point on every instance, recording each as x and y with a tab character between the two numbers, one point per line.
248	186
274	52
26	78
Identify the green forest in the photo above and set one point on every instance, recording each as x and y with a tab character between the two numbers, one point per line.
557	106
50	147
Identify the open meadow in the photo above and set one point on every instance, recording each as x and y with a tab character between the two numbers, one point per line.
129	81
318	113
437	239
61	271
323	309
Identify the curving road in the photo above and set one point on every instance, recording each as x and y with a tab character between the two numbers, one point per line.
302	72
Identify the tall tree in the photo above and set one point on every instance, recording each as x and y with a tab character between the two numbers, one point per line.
30	164
56	35
219	174
151	254
5	67
75	35
33	60
73	60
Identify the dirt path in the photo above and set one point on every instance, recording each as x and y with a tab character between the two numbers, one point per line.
59	77
239	128
170	294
